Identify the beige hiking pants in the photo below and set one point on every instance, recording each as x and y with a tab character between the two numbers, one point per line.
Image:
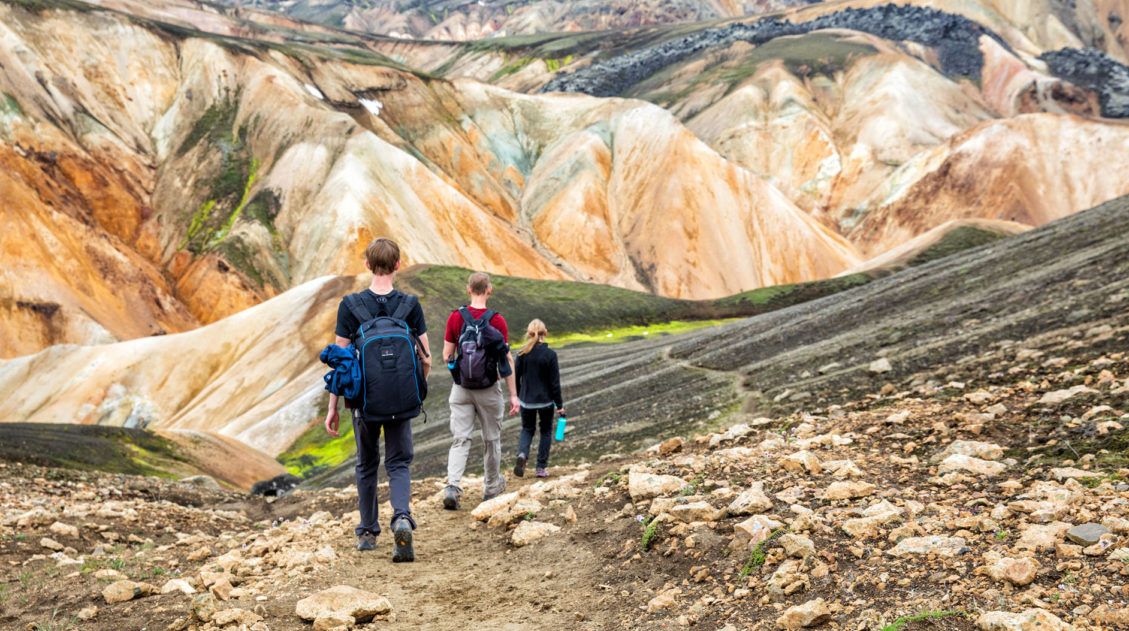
489	406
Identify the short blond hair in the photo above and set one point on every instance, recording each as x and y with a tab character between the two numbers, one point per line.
382	255
478	283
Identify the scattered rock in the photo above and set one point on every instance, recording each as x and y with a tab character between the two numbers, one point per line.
487	509
1037	537
693	511
123	591
360	605
87	613
750	502
880	366
801	461
670	446
50	544
1019	572
665	600
178	585
974	449
333	622
809	614
1061	396
1029	620
64	530
1086	534
959	462
235	616
847	490
641	485
529	531
202	481
934	544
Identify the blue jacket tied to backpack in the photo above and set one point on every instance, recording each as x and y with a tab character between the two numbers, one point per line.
344	378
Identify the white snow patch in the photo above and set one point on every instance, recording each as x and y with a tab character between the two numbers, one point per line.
372	105
312	89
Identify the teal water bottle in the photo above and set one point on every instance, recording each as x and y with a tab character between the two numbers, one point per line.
561	422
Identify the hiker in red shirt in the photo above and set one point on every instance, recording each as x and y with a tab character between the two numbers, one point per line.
475	349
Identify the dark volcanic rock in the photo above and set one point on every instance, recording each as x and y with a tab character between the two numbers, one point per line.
954	37
1097	71
278	485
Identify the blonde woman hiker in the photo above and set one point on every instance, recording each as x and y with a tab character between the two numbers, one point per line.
539	392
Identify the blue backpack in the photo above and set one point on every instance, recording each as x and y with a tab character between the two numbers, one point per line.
394	387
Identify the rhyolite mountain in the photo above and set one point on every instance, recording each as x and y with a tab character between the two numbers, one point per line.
168	165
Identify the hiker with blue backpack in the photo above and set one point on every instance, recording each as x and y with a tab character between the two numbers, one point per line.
475	349
380	367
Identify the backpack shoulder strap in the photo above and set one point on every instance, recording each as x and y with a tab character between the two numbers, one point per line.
358	308
467	317
489	315
407	304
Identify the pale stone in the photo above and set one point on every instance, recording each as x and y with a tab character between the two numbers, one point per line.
960	462
867	526
178	585
933	544
847	490
809	614
1019	572
235	616
487	509
1071	473
694	511
751	501
754	530
974	449
122	591
641	485
51	544
665	600
880	365
1029	620
202	481
1037	537
64	530
801	461
87	613
343	599
1061	396
529	531
797	545
788	579
109	575
333	622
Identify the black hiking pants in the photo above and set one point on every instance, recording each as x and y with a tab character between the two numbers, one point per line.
537	419
398	454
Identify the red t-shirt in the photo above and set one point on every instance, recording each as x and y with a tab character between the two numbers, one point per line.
455	324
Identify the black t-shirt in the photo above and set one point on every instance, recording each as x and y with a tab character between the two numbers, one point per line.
347	323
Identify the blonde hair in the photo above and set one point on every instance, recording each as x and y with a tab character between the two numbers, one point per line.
534	333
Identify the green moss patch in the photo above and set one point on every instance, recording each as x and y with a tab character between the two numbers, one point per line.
316	451
628	333
957	240
91	448
9	106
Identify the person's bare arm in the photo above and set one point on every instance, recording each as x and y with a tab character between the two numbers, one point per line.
332	417
448	351
426	359
511	382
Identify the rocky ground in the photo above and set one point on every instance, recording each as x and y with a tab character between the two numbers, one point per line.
996	499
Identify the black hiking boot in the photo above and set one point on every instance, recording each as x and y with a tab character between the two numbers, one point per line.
519	466
366	542
402	551
451	497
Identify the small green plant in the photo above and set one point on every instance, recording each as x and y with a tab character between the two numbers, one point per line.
21	537
609	479
117	563
900	623
158	571
1069	578
25	579
650	532
1002	534
758	556
55	623
528	516
693	487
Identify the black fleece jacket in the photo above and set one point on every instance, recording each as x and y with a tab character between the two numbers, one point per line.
539	377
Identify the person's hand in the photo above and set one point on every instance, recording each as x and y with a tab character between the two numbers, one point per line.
332	420
515	405
561	412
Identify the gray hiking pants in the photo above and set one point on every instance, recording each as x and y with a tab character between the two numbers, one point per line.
489	406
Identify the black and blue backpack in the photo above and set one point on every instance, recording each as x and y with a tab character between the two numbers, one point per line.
389	354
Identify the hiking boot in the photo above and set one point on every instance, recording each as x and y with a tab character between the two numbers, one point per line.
519	466
451	496
542	472
402	551
366	541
